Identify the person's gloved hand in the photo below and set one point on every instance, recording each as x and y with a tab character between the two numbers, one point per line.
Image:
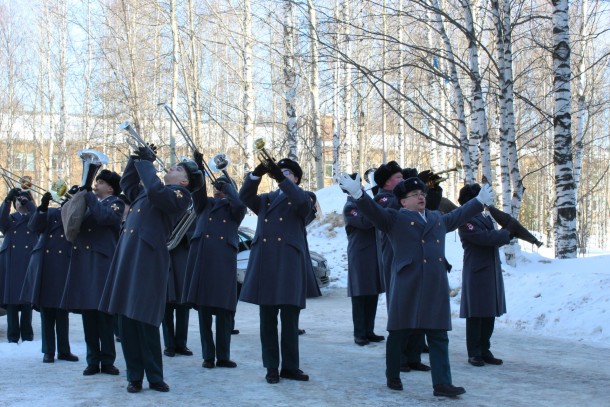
219	185
349	185
198	158
275	172
12	194
260	170
44	202
147	153
487	195
73	189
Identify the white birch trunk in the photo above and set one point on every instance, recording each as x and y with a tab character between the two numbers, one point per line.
249	96
175	62
468	164
315	96
290	82
347	90
565	191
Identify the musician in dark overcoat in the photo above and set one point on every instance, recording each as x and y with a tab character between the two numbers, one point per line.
92	252
136	287
46	278
363	278
211	281
14	257
278	267
175	335
482	284
419	288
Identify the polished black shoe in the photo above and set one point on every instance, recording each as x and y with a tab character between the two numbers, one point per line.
225	363
235	332
395	384
448	390
361	340
301	331
272	376
48	358
134	387
68	357
492	361
208	363
91	370
419	366
476	361
109	369
375	338
425	349
169	352
184	351
405	368
294	374
159	386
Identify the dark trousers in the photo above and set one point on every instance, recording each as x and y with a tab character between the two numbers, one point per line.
224	325
233	312
364	310
141	343
413	348
19	326
438	341
54	320
175	338
99	337
289	317
478	335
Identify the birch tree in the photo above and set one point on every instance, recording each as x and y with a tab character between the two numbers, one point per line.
290	81
565	190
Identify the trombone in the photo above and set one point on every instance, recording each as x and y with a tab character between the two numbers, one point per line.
139	142
219	162
24	182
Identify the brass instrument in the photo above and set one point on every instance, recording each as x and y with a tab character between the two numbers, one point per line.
24	182
434	181
73	210
261	152
218	163
139	142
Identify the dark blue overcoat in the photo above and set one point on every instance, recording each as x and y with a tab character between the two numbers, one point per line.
92	252
363	275
15	252
279	263
48	268
419	288
386	199
211	278
482	283
137	283
178	258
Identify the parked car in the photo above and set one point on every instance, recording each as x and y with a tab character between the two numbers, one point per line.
319	263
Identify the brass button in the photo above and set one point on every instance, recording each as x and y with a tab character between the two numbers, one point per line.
425	261
279	239
423	241
268	203
59	251
130	209
412	223
88	230
440	259
50	236
131	231
61	235
207	235
15	231
264	239
266	220
74	247
47	250
26	246
87	247
138	210
438	241
281	219
28	232
289	203
222	237
209	219
224	221
13	246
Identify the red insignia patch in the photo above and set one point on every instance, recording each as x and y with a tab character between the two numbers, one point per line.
470	226
383	199
354	212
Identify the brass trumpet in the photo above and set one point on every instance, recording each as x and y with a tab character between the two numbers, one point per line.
261	152
138	141
433	181
24	182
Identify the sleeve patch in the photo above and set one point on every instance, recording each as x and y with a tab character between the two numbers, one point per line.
354	212
470	226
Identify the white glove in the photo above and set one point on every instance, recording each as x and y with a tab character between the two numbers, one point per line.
349	185
486	195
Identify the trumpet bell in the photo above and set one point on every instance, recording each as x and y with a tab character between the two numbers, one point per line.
59	187
259	144
219	162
